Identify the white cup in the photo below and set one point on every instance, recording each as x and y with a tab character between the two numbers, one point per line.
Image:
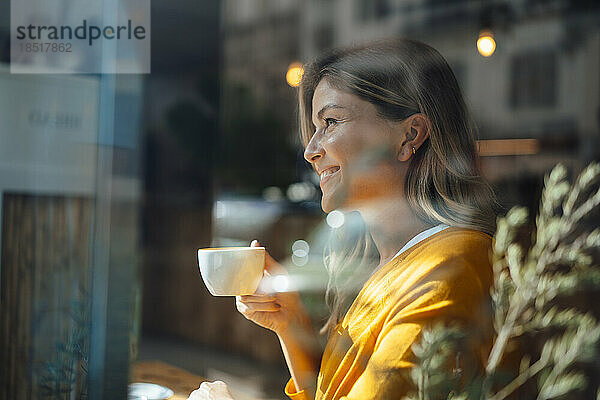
231	271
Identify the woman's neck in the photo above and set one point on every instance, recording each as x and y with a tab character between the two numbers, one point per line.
392	223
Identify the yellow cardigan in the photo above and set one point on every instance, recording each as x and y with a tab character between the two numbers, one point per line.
445	277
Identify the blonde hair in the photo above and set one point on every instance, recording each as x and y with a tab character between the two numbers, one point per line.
443	184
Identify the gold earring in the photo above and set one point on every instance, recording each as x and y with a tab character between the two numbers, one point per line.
414	150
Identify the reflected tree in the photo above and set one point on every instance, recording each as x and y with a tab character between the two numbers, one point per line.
255	149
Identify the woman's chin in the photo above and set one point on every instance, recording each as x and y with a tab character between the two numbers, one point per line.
331	203
326	207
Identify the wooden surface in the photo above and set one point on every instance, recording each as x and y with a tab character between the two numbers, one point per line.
178	380
44	296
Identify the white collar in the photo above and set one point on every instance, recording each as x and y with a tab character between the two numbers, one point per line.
420	237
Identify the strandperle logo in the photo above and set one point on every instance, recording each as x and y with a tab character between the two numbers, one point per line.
90	33
81	36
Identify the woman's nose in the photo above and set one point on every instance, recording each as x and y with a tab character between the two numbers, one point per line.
313	150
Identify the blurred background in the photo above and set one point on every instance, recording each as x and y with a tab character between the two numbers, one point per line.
110	183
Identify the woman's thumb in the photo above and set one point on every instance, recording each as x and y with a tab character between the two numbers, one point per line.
271	265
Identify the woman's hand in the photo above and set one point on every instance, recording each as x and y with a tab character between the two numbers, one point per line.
275	311
216	390
283	313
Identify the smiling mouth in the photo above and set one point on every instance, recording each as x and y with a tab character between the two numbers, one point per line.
325	175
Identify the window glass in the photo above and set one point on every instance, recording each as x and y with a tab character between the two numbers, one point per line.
301	199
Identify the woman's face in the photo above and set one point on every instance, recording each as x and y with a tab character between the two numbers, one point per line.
353	150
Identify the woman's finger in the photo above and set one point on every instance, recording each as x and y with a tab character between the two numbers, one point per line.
252	298
199	394
246	308
272	266
216	390
257	307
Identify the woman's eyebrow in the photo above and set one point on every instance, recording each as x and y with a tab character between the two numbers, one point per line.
327	107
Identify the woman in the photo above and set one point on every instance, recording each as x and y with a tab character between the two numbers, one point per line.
386	128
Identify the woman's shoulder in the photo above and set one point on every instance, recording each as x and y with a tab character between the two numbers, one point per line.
454	256
453	243
461	235
449	272
453	262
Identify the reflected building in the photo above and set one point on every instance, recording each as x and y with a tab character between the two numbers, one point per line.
260	40
541	83
535	101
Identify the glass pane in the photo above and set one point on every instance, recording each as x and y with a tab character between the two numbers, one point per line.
375	150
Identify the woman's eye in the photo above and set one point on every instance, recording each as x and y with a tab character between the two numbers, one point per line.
330	122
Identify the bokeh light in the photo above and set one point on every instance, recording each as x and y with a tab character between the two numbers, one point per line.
486	45
335	219
300	191
300	248
280	283
299	261
272	193
294	74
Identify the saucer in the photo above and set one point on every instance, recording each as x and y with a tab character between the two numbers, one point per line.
147	391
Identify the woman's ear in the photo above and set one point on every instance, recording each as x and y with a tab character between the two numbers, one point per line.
415	131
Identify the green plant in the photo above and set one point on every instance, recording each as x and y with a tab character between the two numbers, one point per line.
532	297
66	374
